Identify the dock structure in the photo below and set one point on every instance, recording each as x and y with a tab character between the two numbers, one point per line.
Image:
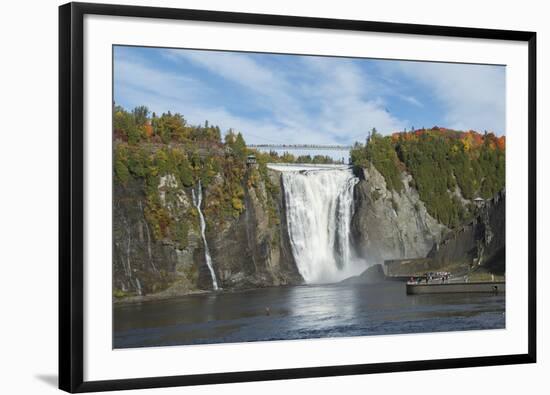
493	287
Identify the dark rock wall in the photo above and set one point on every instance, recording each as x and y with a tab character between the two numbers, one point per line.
253	251
479	243
141	265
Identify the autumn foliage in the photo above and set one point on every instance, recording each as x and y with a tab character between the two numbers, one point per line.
470	139
449	167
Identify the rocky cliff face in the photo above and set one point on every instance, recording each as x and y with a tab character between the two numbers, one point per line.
254	250
480	243
250	250
475	249
141	264
388	224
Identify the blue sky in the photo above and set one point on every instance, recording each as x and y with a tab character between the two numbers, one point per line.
309	99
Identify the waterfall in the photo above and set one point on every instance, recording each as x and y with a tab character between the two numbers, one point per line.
197	200
138	287
319	208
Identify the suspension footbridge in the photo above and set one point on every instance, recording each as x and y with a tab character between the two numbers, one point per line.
310	147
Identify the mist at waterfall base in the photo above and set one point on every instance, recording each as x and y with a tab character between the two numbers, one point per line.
319	208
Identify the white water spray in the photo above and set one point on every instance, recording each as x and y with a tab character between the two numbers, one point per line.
319	208
197	200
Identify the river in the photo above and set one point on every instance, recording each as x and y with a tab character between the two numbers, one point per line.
301	312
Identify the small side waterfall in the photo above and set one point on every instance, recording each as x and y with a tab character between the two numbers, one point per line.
197	200
138	286
319	209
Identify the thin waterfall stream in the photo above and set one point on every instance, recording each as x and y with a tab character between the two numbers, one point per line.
197	200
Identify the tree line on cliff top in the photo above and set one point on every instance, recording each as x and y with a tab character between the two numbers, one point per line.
140	127
441	162
148	146
446	165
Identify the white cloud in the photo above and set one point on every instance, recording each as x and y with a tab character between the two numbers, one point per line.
349	101
318	100
145	85
271	89
335	103
162	91
321	100
473	95
412	100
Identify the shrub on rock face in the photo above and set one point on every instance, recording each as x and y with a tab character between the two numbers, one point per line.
120	165
237	204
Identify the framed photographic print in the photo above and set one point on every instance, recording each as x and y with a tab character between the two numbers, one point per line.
250	197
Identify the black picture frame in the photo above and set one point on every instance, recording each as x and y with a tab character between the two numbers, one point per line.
71	197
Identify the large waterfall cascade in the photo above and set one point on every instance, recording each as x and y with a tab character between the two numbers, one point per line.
197	200
319	208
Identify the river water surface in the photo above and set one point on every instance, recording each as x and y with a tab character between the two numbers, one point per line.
301	312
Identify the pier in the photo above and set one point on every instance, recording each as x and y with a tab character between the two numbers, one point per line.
496	287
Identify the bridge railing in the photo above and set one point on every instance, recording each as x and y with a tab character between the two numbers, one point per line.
302	146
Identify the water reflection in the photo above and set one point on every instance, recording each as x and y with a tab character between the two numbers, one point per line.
323	306
301	312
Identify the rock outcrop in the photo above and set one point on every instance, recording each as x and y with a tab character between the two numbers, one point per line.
372	275
141	264
480	243
388	224
473	249
248	251
253	251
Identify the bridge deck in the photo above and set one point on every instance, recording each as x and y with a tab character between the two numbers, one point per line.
306	166
302	147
